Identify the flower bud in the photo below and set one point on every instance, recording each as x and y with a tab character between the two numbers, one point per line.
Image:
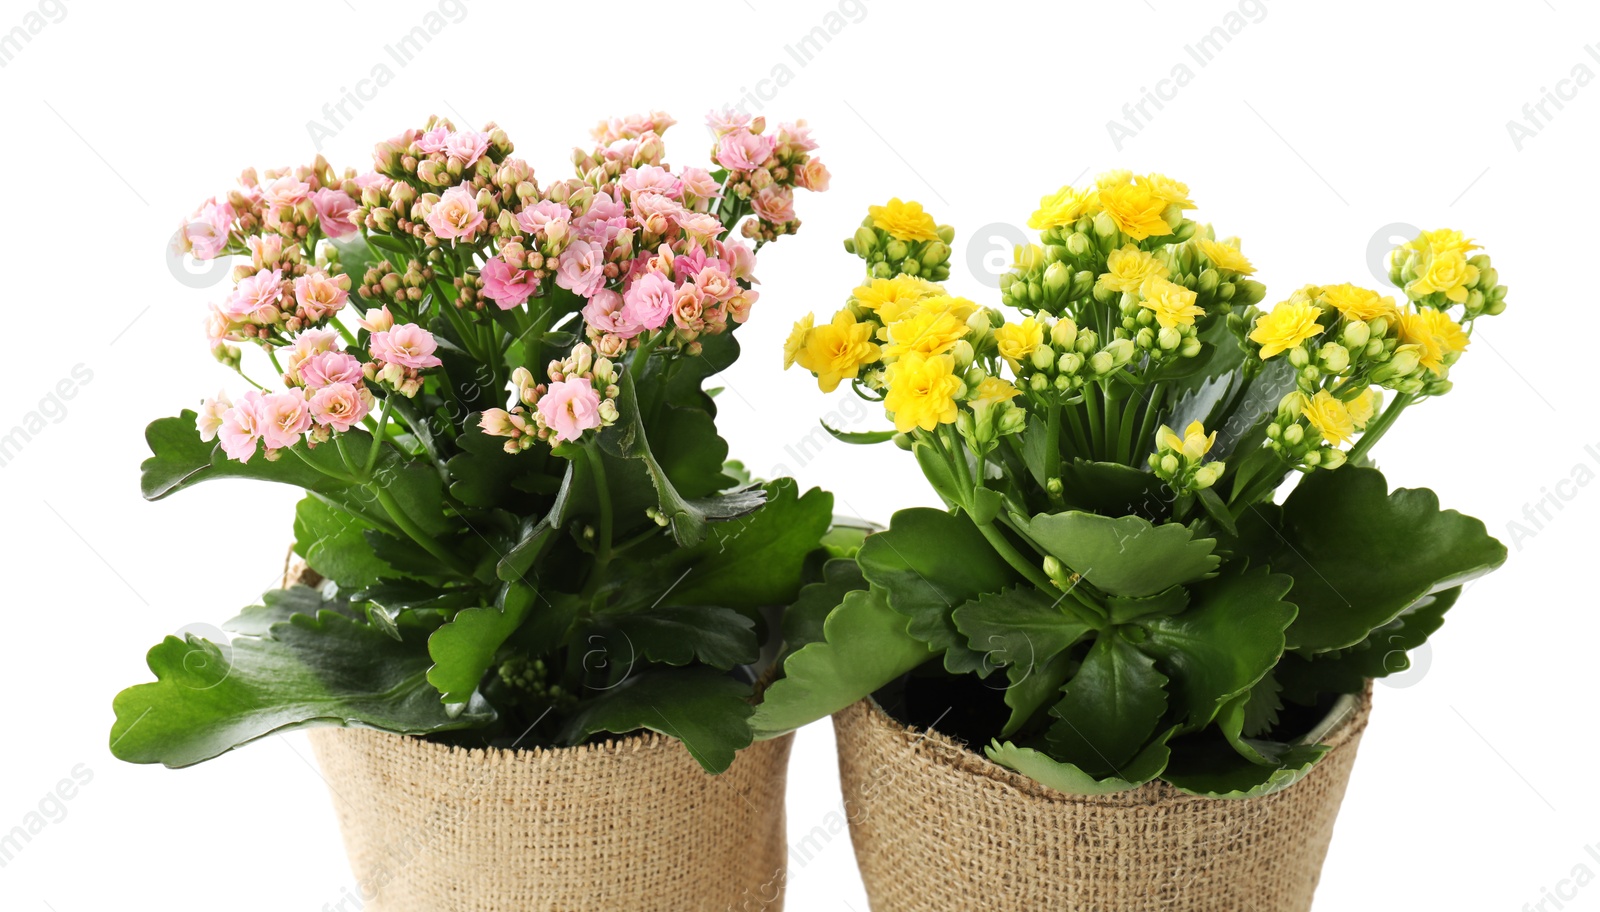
1405	361
1169	338
1064	334
1078	245
1332	459
1293	434
1104	227
1070	363
1334	357
1209	280
963	354
1356	334
935	253
1102	363
1042	357
1190	347
1056	277
1207	475
896	249
1299	357
1121	350
1170	464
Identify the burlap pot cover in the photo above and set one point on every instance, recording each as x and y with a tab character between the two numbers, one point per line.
633	825
939	828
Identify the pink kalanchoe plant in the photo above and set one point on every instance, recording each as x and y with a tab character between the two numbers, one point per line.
491	388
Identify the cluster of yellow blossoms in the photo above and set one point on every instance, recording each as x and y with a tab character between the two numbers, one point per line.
1121	285
1344	341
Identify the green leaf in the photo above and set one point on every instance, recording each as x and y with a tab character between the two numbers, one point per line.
1124	555
484	475
758	560
699	706
686	444
1025	630
865	645
1360	556
803	621
1383	653
516	563
939	473
332	543
1125	610
1112	489
1231	635
1071	780
328	670
463	649
931	562
679	635
277	606
1109	709
859	437
1208	766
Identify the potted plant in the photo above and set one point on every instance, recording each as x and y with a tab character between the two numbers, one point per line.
533	618
1120	671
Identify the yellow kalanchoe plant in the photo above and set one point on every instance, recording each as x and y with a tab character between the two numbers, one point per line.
1110	442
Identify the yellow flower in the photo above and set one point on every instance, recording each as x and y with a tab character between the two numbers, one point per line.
922	392
1063	207
1434	336
1444	240
838	350
960	308
1017	341
1330	417
892	298
905	221
797	339
1448	272
1363	407
1136	210
1225	255
1193	444
1173	304
1356	303
924	332
1173	193
1129	268
993	390
1289	324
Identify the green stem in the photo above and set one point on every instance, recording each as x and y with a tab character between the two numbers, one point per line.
344	455
1152	410
1377	429
418	535
1080	440
1091	401
377	439
602	553
1033	573
1127	428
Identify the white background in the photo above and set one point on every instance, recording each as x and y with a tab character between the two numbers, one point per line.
1315	127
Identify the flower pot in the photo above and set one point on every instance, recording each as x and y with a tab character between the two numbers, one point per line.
938	828
629	824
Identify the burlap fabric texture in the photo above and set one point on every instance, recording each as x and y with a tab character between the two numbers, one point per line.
633	825
939	828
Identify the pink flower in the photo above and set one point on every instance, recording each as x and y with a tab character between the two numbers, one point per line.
742	150
373	179
534	218
651	179
648	301
467	146
506	285
604	313
284	191
741	260
431	141
726	121
814	176
206	231
603	206
688	303
216	325
407	345
339	405
329	368
210	418
319	296
655	213
283	417
256	297
774	203
715	282
581	268
265	249
631	127
700	226
376	319
241	427
698	182
739	305
456	215
570	407
334	208
797	136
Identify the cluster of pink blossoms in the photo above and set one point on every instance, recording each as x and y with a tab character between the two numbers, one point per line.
463	223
